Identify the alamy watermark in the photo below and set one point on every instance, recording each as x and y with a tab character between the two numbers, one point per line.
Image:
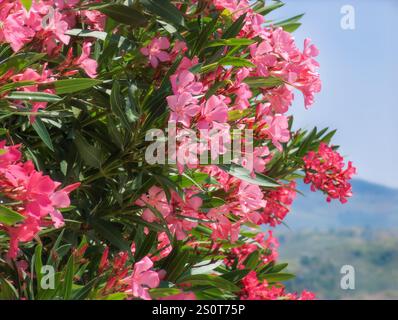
204	146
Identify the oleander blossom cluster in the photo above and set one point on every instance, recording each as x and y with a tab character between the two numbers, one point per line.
325	171
32	194
191	107
137	221
44	28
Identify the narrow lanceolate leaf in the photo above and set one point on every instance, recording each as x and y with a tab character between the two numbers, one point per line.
291	27
236	62
110	232
87	33
41	130
118	105
89	153
245	175
278	277
230	42
15	85
19	62
74	85
33	96
38	265
262	82
210	280
27	4
123	14
9	217
68	279
269	8
166	10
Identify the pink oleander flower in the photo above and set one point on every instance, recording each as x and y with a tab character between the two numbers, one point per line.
85	62
277	130
179	222
222	227
156	197
142	279
187	150
155	51
38	196
281	98
325	171
184	107
278	204
213	109
253	289
31	75
13	29
185	81
95	19
250	197
256	161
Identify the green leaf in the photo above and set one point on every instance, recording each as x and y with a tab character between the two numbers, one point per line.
270	8
210	280
85	291
19	62
110	232
38	263
41	130
14	85
291	27
177	265
277	277
117	105
236	62
33	96
290	20
186	181
87	34
27	4
166	10
145	247
235	28
90	154
68	278
262	82
123	14
252	260
7	290
245	175
230	42
9	217
74	85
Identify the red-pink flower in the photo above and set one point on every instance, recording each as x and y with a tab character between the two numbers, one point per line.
250	197
37	195
155	51
213	109
325	171
184	107
156	197
142	279
86	63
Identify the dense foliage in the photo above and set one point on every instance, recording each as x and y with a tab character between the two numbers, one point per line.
83	186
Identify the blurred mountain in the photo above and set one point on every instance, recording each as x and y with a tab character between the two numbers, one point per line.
321	237
372	206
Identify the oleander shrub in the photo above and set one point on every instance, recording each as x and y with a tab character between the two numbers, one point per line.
147	148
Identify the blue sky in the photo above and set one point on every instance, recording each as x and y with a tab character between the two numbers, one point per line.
358	70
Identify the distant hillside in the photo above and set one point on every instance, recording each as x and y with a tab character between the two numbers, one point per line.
316	258
321	237
372	206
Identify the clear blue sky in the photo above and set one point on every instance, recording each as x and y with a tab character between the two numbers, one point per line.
359	71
